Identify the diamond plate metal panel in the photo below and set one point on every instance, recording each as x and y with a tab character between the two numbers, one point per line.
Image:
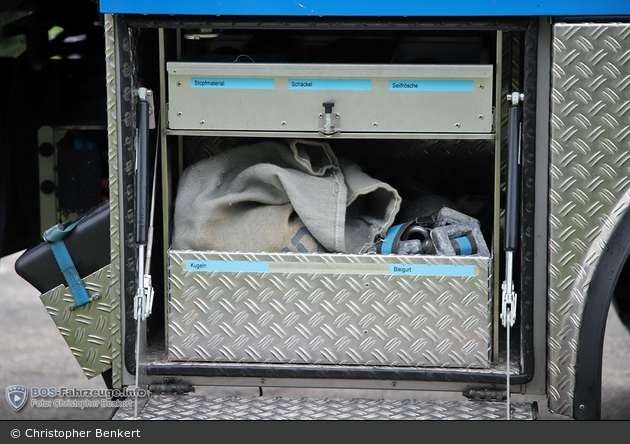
267	408
329	309
112	137
589	180
86	329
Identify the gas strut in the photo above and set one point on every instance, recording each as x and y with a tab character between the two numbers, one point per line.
144	295
508	309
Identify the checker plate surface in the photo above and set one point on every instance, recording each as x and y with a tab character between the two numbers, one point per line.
348	316
86	329
114	209
168	407
589	181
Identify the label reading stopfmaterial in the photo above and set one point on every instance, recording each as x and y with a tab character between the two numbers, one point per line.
437	85
231	83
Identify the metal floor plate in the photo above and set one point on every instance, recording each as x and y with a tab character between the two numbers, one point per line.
172	407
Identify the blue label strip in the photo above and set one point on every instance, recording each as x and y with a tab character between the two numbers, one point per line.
432	85
227	266
432	270
231	83
330	84
264	267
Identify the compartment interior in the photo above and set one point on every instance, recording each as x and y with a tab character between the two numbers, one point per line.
429	174
317	46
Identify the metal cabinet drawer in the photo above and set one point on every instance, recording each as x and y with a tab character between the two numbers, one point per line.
410	311
366	99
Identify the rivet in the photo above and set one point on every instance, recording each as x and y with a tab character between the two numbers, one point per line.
374	124
179	114
203	122
457	125
179	83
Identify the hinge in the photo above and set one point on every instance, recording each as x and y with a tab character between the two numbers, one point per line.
485	395
171	387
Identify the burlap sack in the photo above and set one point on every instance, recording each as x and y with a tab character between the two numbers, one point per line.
280	196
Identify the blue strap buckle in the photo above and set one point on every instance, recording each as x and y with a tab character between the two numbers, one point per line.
54	237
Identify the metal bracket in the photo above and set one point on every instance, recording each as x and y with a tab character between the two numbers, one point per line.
515	98
93	297
146	95
143	301
508	300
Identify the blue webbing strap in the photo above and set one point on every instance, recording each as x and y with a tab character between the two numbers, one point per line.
465	247
54	236
390	239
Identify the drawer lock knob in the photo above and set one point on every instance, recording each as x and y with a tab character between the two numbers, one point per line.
329	127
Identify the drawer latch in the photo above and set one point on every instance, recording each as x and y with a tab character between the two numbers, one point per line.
329	127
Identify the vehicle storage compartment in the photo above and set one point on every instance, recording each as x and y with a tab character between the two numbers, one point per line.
416	291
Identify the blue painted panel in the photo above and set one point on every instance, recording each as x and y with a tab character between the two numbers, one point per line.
369	7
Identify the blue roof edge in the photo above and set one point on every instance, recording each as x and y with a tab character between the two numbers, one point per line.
369	8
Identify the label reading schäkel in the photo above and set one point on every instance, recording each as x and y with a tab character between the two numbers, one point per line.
330	84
